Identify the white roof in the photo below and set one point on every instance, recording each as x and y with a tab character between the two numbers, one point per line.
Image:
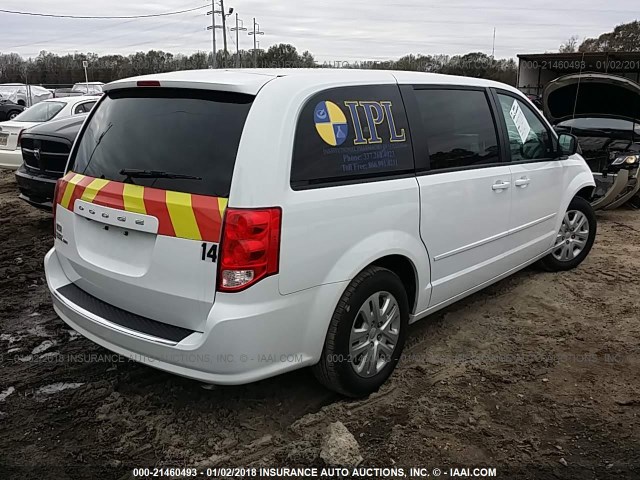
250	81
76	99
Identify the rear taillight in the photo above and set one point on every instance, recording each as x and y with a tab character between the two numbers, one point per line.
57	194
19	138
250	247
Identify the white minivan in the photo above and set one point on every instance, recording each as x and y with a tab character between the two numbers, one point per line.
232	225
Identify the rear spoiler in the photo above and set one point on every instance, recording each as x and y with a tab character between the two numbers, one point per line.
219	80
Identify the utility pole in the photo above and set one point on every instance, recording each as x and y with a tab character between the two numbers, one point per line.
493	50
224	28
85	64
256	31
237	30
212	27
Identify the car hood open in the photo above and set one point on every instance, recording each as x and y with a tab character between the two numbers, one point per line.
599	95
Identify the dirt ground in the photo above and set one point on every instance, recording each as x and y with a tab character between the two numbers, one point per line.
537	376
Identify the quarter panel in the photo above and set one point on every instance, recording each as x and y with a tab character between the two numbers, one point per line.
330	234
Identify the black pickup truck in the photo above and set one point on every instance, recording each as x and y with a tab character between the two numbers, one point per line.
45	150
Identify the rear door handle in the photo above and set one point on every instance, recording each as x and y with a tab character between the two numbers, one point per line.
500	185
522	182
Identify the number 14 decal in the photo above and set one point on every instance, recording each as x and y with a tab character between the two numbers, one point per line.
209	252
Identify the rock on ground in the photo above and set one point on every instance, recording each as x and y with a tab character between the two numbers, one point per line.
339	447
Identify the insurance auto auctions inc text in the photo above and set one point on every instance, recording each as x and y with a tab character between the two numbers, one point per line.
374	472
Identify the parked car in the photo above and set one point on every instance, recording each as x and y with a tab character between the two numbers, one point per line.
603	111
11	131
90	88
45	151
605	116
229	226
24	95
9	110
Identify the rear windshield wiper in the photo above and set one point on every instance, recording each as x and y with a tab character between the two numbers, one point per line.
135	173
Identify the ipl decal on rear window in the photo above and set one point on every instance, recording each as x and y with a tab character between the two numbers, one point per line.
375	113
331	123
375	136
351	132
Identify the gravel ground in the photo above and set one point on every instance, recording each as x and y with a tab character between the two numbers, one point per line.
537	376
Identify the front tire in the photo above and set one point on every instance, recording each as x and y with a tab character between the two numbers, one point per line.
575	238
366	334
12	114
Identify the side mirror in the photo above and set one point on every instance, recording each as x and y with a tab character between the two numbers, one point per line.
568	144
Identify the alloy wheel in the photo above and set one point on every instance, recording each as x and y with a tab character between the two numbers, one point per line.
572	237
374	334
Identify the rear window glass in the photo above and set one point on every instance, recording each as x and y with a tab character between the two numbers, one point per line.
174	131
351	133
41	112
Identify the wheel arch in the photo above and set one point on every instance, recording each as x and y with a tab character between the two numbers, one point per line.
406	270
581	185
586	192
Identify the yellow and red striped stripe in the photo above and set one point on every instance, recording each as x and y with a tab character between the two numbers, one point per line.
182	215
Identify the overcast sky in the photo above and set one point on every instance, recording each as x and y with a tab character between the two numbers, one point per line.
333	30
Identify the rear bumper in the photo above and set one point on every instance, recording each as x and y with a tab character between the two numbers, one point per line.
248	336
10	159
36	189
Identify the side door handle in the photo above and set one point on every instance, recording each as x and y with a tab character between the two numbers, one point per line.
500	185
522	182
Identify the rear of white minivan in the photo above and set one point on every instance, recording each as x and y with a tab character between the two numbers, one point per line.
139	221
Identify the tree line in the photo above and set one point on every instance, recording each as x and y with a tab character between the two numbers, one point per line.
50	69
623	38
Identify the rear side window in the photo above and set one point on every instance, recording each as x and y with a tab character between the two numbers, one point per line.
350	134
459	128
84	107
189	133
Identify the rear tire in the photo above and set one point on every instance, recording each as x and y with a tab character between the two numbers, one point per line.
575	238
12	114
364	343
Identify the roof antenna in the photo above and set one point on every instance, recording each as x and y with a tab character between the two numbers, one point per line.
575	104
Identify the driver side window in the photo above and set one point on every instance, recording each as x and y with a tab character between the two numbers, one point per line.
529	138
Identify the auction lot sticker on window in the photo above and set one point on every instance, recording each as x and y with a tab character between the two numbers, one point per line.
517	115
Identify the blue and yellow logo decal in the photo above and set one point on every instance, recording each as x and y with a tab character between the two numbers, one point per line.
331	123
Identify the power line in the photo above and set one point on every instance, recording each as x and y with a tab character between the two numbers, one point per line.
77	35
85	17
66	37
